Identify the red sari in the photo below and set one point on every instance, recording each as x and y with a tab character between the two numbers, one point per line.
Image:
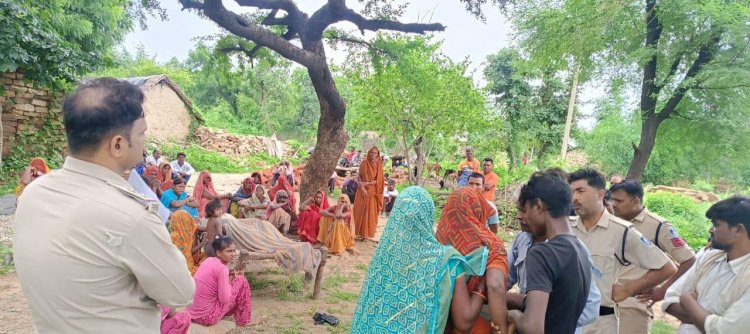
166	180
309	220
368	207
198	193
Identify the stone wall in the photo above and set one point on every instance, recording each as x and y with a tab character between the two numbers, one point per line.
234	145
25	108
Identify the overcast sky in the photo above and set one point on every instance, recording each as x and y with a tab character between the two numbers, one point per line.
465	36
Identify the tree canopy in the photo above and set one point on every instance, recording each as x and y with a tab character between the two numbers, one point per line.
57	41
411	92
688	59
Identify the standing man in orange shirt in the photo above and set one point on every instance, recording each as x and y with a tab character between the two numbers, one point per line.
490	180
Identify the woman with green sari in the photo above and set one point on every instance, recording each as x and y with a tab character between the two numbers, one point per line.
410	284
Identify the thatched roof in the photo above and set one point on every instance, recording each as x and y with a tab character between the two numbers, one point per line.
162	79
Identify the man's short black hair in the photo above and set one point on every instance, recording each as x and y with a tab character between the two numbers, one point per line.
477	176
488	159
551	189
631	187
98	109
592	176
178	181
181	154
734	210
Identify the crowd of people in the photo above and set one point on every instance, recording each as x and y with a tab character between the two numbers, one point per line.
95	256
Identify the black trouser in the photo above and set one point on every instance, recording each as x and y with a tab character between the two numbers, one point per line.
351	197
389	205
331	185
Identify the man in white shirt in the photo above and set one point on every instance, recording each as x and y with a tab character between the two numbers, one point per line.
155	159
182	167
714	295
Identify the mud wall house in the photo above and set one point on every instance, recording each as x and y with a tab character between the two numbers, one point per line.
168	111
28	109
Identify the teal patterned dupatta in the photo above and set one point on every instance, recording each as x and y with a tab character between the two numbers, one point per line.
409	284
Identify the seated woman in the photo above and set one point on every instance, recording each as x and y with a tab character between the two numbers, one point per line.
173	322
257	178
244	192
336	227
309	216
151	177
177	199
183	229
280	212
219	292
165	176
426	305
257	205
37	167
204	192
283	184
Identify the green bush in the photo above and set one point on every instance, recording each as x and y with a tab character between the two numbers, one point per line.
687	216
203	159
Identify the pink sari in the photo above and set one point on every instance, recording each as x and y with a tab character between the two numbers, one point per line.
178	324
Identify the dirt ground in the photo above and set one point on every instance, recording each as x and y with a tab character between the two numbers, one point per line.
281	303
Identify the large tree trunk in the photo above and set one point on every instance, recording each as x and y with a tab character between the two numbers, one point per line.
332	137
644	149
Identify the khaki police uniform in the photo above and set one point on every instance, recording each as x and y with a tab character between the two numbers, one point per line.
635	317
92	255
610	254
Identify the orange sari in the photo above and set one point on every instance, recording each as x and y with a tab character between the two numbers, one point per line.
183	228
336	234
368	207
41	166
464	226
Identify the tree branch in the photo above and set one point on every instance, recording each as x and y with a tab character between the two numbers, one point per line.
240	26
705	55
250	53
649	88
286	5
336	11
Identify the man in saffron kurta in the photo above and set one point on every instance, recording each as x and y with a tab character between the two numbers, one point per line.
309	216
469	162
369	198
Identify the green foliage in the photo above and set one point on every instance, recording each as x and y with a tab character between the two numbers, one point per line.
662	327
687	216
56	41
203	159
46	141
5	251
530	116
421	97
701	153
604	41
339	296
